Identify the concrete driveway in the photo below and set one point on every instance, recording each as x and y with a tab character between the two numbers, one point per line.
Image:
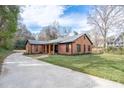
22	72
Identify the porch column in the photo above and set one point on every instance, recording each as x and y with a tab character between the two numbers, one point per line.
31	49
71	48
49	49
53	48
45	48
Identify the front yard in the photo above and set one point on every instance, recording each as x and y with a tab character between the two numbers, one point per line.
107	66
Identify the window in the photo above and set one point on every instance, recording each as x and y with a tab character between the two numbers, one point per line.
67	47
78	48
89	49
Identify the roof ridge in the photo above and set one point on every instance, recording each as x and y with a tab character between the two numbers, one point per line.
58	40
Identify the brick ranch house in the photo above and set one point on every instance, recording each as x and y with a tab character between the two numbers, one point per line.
78	44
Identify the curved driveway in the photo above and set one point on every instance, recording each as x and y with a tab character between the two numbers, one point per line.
21	71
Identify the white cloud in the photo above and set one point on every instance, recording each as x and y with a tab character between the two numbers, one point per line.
41	15
78	21
45	15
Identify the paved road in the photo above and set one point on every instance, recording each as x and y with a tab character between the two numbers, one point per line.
22	72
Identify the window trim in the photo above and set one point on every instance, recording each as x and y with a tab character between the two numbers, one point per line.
89	48
78	47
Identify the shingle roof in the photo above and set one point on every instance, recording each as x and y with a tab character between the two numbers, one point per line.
70	38
118	36
58	40
36	42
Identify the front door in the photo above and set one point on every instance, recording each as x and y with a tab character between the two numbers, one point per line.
56	48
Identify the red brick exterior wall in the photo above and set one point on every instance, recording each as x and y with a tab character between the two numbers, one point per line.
62	49
34	48
83	40
28	48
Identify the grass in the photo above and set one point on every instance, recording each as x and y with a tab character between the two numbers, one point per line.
3	53
36	56
108	66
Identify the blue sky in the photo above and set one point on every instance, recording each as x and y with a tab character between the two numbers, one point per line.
77	9
75	16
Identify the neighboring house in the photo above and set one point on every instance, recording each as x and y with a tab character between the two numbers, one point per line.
118	41
78	44
110	41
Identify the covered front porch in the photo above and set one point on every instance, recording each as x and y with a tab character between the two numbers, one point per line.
50	49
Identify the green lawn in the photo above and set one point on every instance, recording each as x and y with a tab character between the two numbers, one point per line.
3	54
107	66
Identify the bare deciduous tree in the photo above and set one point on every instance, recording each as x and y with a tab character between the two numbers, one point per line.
106	18
54	31
96	37
23	33
48	33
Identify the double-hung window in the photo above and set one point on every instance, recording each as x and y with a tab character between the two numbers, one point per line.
78	48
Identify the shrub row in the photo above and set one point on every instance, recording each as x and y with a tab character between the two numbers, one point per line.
115	50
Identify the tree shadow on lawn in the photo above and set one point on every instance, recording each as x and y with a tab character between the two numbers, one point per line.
90	61
106	68
95	65
103	62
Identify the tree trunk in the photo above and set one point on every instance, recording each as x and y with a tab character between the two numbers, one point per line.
105	44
